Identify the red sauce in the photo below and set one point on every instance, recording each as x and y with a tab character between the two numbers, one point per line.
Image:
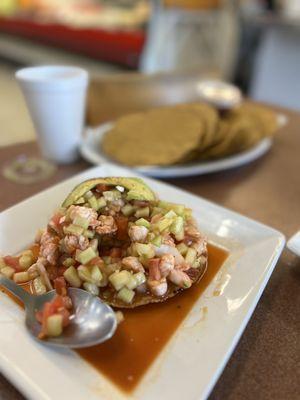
125	358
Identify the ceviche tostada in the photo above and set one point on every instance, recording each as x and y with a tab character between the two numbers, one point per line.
114	238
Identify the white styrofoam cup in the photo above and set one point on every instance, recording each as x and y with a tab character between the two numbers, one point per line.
55	97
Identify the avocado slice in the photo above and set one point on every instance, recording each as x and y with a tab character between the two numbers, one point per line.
137	189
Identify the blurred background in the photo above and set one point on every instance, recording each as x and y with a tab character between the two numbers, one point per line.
252	43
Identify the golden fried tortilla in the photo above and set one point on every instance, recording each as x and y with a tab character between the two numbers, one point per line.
156	137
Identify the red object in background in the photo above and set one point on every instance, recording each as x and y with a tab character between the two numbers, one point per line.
116	46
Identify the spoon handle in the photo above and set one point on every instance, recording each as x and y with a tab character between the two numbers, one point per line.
16	290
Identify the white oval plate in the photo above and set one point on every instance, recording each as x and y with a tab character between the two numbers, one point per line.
190	363
90	150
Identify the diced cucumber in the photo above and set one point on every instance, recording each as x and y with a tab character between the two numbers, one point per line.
25	261
163	224
20	277
119	279
128	210
72	277
54	325
39	286
84	273
142	212
170	214
94	244
177	208
112	195
177	226
85	256
131	284
182	248
190	256
140	278
73	230
96	274
82	222
156	211
92	288
143	222
180	235
93	203
89	234
157	241
126	295
146	250
68	262
8	272
101	202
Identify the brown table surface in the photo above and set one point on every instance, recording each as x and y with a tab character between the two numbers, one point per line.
266	362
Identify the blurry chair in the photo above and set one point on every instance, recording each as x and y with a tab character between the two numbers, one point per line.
111	96
190	34
276	75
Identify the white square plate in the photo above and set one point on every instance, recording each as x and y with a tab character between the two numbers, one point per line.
193	359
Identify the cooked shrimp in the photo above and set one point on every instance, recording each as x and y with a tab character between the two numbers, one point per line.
180	278
72	243
107	225
192	231
200	245
138	233
133	264
49	247
158	288
167	239
166	264
43	273
84	212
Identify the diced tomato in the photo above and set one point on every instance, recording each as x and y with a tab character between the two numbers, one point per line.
60	286
66	316
67	302
102	188
57	303
12	262
154	271
122	224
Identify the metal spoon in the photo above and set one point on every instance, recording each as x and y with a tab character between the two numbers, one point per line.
93	321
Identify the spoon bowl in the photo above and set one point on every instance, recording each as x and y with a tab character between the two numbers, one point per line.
92	321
